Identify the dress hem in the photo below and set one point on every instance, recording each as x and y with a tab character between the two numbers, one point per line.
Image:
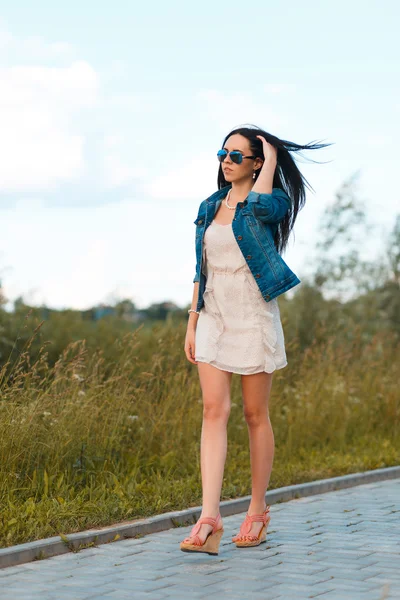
221	367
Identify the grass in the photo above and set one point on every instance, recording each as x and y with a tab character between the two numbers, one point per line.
89	442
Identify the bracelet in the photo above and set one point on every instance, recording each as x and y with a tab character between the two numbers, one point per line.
191	310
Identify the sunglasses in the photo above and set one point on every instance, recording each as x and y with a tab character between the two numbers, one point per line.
235	156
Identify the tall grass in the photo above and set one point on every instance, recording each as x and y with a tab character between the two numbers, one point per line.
88	441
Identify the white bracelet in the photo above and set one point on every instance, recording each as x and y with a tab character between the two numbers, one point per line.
191	310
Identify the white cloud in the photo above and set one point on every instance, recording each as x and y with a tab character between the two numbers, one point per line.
38	144
47	116
117	172
32	47
177	183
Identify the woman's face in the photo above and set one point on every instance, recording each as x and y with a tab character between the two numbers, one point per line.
244	171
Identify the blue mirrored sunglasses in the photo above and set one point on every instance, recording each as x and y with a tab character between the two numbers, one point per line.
235	156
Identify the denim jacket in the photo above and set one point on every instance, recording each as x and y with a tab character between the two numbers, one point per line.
254	225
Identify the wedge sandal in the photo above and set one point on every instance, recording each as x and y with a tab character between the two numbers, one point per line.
244	539
193	543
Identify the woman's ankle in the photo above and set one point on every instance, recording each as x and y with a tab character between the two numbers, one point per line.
257	508
209	513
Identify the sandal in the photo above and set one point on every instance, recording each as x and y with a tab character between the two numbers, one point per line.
244	539
193	543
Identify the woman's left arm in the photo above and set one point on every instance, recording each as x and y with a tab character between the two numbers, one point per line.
264	182
270	204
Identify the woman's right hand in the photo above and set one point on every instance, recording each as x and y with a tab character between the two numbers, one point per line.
190	348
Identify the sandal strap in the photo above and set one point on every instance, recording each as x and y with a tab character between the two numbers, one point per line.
196	541
207	520
249	519
253	518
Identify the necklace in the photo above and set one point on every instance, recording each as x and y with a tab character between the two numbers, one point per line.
226	201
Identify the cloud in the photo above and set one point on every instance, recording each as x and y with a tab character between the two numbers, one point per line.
38	145
189	180
116	171
50	139
31	48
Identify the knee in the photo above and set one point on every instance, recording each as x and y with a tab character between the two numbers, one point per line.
215	409
254	418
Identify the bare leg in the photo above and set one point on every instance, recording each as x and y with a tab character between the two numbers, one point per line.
215	385
256	391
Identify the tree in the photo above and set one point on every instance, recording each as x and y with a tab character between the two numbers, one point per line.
343	268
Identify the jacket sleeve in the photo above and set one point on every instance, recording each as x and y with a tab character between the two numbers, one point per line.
200	218
197	274
269	208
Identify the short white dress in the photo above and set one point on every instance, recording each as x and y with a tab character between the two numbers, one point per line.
237	330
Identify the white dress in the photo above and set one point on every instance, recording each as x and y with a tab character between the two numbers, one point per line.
237	330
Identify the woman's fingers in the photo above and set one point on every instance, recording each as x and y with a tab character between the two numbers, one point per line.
190	353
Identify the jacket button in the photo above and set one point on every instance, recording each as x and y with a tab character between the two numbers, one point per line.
266	296
239	237
201	220
249	256
258	275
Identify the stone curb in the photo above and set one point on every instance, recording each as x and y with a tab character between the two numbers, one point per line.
45	548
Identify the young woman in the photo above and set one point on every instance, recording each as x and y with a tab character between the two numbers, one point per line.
234	323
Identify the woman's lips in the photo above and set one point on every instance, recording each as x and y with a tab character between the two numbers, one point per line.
227	170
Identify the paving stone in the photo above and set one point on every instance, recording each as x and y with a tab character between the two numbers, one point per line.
317	547
343	595
27	595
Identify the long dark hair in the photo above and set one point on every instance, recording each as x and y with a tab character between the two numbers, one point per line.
287	175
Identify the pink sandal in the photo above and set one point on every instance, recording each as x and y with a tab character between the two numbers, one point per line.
193	543
244	538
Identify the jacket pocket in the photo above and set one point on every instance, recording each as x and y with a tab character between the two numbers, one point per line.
200	223
265	241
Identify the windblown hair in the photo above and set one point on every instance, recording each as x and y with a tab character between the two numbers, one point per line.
287	175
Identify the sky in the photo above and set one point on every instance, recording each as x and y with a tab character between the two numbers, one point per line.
111	115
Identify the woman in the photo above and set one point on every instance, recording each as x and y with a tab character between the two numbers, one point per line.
234	323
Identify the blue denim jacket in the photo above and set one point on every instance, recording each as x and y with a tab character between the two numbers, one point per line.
254	225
